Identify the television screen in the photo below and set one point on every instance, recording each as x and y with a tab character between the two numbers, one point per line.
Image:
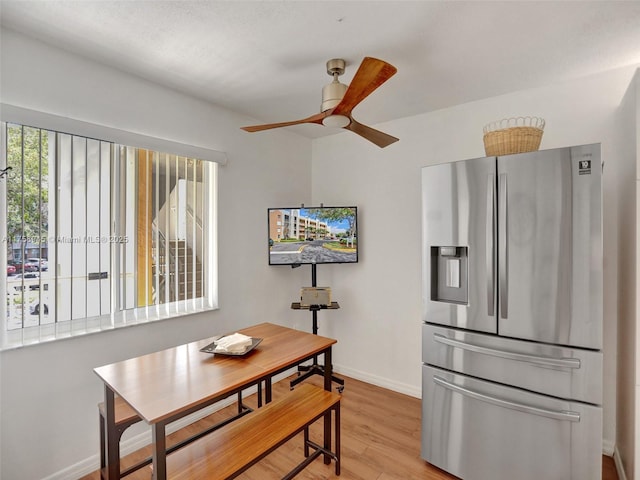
313	235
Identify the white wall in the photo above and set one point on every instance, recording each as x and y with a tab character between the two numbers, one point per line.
48	392
378	326
635	454
627	415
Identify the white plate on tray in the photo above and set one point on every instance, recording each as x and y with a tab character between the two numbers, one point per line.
212	348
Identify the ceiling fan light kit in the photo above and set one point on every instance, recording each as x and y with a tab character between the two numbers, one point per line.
336	121
338	100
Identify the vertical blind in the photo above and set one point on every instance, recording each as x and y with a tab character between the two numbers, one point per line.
115	227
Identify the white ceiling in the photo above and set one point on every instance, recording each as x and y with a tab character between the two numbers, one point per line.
266	59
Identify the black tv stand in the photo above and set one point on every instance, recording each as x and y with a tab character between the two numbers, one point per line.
315	368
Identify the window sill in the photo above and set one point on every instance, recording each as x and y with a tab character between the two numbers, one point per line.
25	337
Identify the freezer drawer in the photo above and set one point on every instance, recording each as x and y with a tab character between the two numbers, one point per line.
478	430
552	370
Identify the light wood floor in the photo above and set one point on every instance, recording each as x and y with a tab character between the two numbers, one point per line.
380	441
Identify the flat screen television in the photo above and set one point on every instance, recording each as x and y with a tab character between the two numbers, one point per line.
302	235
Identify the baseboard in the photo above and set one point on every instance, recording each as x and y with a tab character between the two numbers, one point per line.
608	447
618	463
399	387
130	445
77	470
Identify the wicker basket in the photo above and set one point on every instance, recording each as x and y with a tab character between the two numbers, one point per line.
513	135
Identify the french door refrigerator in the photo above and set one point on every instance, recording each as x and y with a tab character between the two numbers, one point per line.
512	316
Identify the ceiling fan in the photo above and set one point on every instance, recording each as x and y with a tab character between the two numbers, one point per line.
338	100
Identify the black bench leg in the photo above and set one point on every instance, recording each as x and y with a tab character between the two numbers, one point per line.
103	443
103	456
337	433
306	441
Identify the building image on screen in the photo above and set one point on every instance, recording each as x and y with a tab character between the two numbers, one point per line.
312	235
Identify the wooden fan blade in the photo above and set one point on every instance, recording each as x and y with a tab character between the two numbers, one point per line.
317	118
381	139
371	74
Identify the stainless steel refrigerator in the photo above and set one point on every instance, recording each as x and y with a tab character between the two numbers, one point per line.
512	316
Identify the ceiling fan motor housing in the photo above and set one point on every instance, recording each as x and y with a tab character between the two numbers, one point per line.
332	95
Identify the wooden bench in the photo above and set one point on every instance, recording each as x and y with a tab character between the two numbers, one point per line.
227	452
125	416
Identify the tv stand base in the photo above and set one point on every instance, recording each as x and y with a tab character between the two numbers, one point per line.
311	370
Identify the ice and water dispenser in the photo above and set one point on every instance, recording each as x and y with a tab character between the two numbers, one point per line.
449	274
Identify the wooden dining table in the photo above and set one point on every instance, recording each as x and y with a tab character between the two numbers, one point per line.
165	386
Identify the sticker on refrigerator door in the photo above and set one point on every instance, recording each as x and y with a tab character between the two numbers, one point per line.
584	167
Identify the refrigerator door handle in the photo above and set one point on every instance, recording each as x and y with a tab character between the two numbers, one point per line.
490	247
503	248
520	357
564	415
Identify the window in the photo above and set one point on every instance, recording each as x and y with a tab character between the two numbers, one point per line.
99	235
